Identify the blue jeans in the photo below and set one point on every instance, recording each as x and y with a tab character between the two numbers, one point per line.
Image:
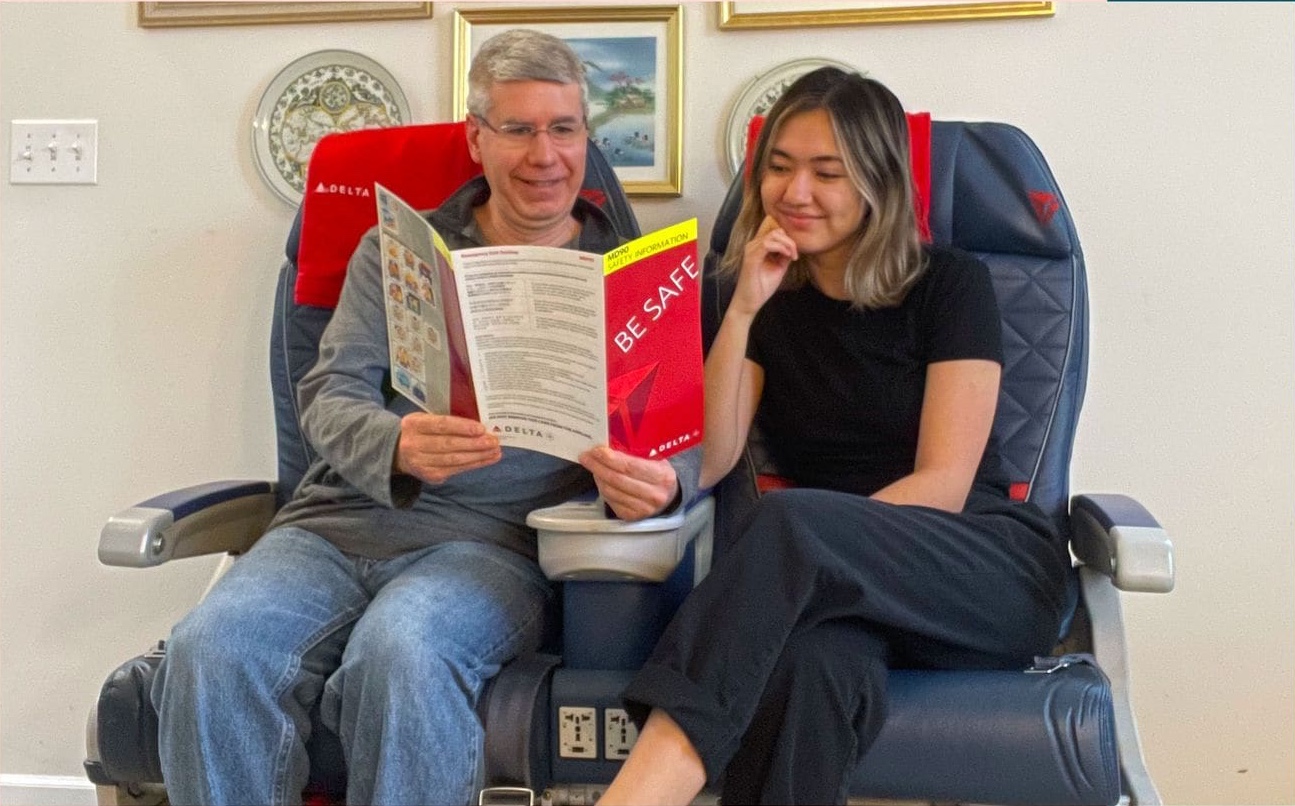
393	652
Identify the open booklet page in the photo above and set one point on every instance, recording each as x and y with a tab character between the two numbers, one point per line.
429	353
535	323
526	338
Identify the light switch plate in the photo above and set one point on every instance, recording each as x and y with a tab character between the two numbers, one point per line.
54	152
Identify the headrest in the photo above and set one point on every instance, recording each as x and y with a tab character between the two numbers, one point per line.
422	164
919	138
994	193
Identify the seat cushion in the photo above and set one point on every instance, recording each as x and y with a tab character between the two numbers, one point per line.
1053	738
1005	737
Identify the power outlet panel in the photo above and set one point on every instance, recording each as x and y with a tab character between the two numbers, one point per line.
577	732
54	152
619	734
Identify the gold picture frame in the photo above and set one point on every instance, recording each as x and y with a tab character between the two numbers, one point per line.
636	49
189	14
734	15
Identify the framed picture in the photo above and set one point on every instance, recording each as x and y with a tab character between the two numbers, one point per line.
185	14
800	13
634	61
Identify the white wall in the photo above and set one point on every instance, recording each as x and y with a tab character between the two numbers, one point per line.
134	317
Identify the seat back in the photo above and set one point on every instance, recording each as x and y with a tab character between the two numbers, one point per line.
992	194
423	164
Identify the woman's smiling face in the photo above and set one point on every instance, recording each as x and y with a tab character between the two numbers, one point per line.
806	189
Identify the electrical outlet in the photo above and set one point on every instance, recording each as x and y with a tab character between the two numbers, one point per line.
577	732
54	152
619	734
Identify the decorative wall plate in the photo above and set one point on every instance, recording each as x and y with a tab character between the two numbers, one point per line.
321	93
758	98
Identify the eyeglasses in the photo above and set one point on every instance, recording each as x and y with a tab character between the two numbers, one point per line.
520	135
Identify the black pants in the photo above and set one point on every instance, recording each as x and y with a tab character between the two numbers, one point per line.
775	666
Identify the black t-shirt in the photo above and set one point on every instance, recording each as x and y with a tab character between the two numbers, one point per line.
843	387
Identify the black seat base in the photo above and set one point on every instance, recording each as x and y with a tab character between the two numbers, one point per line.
1060	748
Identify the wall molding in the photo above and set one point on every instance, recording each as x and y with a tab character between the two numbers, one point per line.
45	790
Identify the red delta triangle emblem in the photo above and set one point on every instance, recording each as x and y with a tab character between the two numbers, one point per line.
627	400
1045	205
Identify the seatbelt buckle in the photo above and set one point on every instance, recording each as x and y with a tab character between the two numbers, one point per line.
1055	663
506	796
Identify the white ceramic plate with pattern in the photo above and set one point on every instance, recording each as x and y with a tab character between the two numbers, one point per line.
321	93
759	97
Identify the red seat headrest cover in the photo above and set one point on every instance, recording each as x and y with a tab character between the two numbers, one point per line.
919	136
422	164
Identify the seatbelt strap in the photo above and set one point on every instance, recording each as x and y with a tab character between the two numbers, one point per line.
510	720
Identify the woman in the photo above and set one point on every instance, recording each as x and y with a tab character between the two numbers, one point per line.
871	365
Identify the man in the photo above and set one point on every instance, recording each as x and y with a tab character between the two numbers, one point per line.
401	576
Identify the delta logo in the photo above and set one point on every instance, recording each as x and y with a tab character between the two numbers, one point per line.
682	439
1045	205
359	191
517	430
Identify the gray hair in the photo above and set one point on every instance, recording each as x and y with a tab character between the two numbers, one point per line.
523	55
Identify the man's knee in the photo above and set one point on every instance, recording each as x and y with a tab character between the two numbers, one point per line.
405	663
214	641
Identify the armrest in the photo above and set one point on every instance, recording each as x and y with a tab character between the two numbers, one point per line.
577	541
1114	535
222	516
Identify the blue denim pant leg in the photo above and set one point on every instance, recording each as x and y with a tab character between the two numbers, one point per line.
442	622
243	669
